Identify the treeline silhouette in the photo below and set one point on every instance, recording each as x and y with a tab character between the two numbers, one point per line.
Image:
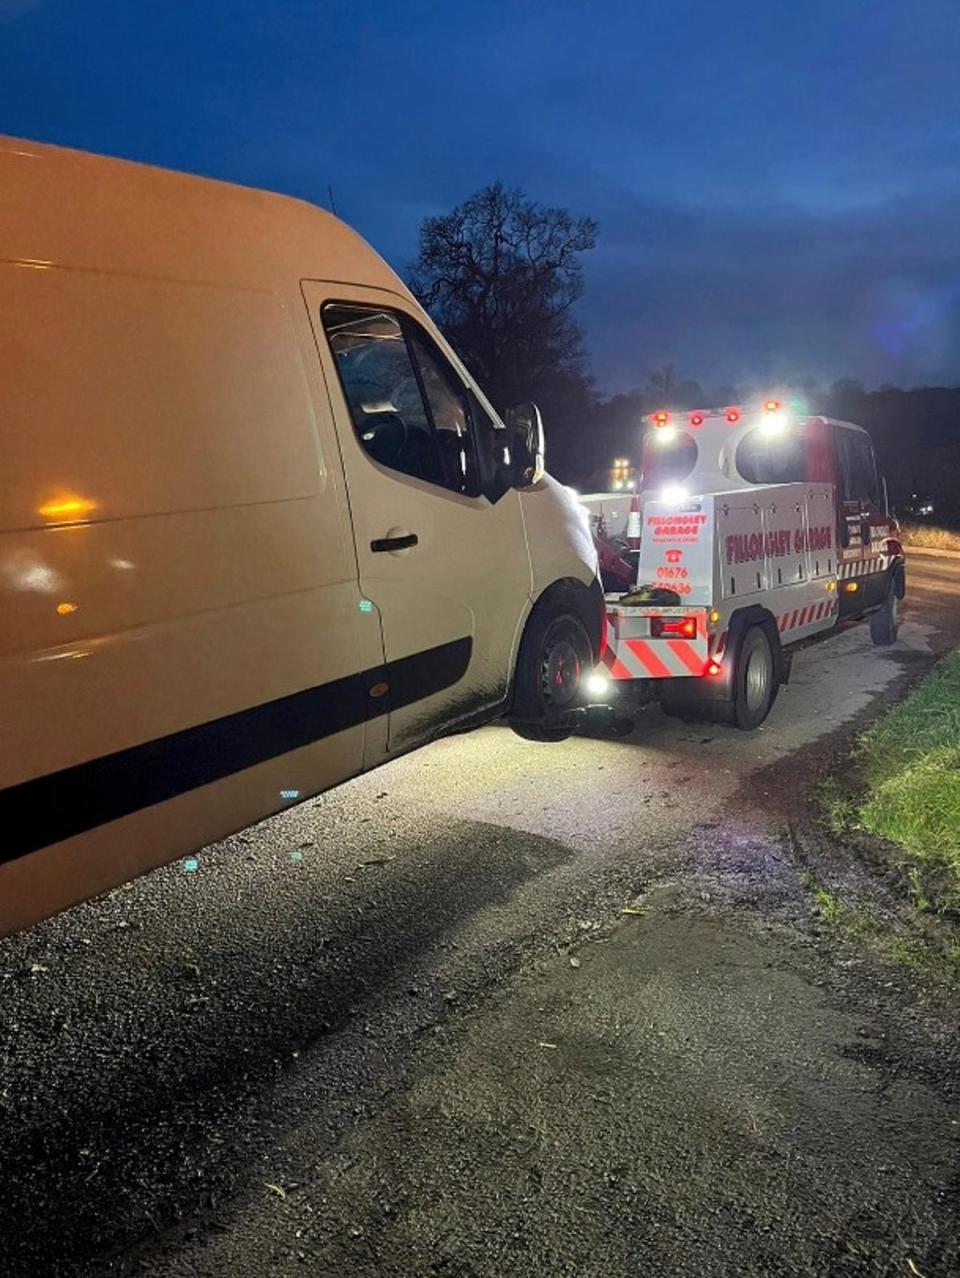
916	432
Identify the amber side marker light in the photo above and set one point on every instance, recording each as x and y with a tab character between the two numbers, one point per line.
851	587
66	510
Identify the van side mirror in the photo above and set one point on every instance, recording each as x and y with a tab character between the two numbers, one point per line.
525	428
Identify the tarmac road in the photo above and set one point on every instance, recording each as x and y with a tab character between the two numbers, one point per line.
498	1009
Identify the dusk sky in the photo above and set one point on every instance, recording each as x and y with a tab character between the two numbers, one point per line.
777	183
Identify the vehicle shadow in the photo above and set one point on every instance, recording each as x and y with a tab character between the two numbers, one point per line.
137	1080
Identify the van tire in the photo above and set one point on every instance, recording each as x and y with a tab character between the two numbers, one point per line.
885	622
555	657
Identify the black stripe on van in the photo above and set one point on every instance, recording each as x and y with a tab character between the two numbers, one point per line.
62	804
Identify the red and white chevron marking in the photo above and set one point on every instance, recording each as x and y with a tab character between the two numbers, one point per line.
792	619
656	658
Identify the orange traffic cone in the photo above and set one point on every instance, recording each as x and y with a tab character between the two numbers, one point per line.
633	523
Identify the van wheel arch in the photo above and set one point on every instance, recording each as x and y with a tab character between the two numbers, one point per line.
569	616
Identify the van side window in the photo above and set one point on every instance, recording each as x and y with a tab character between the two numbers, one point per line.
773	459
447	401
408	408
858	471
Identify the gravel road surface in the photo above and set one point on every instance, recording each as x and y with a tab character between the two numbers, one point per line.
498	1009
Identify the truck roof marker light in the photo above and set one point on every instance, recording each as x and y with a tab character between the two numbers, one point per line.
714	668
772	405
696	420
660	419
732	416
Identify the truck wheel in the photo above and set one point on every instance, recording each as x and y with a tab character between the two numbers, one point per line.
885	622
754	684
555	656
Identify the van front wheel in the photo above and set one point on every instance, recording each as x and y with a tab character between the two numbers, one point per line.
555	657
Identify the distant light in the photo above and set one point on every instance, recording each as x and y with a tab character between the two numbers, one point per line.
632	485
598	685
65	609
674	492
67	509
617	484
665	435
733	415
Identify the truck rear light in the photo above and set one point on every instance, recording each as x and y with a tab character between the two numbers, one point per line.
714	668
680	627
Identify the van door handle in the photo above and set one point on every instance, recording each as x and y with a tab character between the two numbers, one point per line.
403	542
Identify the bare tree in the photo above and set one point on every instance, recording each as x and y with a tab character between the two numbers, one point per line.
500	274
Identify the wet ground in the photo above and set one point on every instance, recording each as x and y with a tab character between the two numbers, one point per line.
499	1009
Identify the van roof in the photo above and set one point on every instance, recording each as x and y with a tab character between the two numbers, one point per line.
69	208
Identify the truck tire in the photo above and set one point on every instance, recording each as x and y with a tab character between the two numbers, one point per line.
555	656
885	622
754	682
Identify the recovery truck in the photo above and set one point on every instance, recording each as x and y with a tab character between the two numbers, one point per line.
761	529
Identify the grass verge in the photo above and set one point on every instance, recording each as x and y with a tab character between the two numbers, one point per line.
925	537
906	787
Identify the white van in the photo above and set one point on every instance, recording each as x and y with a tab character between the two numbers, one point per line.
259	529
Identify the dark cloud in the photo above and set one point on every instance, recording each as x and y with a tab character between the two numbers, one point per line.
777	184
